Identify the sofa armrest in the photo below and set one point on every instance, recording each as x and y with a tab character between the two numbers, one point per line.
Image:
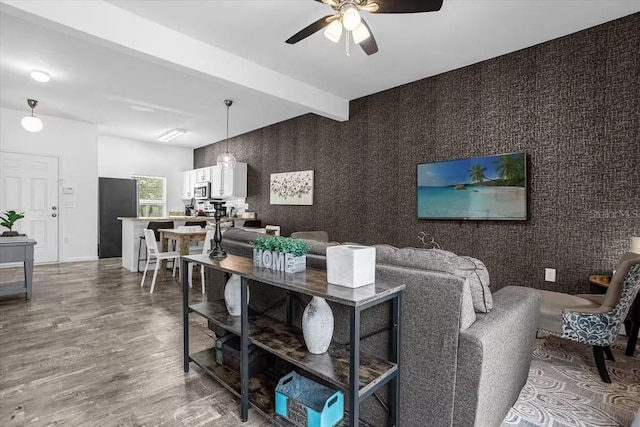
494	356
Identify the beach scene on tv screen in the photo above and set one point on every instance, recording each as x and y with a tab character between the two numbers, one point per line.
492	187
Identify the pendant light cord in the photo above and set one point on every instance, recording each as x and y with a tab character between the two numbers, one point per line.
228	103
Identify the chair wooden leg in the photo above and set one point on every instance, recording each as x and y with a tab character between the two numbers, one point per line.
144	275
608	353
175	264
598	355
155	274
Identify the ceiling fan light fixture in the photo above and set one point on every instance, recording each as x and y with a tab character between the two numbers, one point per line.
361	33
334	31
351	18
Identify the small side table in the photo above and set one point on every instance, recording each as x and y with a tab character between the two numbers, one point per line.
18	249
632	322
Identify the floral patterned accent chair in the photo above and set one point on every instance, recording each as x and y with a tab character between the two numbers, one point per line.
593	319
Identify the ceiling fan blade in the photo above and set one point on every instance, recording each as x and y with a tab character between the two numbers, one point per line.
369	45
307	31
332	3
408	6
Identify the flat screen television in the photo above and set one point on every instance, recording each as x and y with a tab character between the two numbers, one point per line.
480	188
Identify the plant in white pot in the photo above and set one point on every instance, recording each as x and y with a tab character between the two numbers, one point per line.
280	254
8	220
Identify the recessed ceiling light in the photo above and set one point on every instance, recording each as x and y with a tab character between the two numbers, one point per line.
168	136
142	108
40	76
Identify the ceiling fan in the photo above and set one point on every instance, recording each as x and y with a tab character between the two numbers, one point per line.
347	16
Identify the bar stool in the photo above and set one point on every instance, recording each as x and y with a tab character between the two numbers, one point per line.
155	226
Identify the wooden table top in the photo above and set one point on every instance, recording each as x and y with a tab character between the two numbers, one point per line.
310	282
600	280
172	232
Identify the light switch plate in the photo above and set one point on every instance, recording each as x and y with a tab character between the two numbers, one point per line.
550	274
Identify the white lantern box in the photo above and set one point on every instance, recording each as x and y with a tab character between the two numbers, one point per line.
351	266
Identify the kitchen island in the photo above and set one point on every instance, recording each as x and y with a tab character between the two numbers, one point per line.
133	229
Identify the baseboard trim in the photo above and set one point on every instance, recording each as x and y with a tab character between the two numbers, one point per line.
81	259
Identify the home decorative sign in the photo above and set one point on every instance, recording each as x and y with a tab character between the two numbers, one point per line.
280	254
292	188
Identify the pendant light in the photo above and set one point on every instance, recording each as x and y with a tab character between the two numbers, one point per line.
226	159
31	123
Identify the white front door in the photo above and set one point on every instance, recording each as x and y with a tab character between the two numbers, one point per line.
29	184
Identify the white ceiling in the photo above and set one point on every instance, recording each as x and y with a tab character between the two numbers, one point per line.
96	79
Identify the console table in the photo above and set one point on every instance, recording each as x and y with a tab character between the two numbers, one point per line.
345	367
18	249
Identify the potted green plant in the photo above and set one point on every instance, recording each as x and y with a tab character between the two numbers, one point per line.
8	220
280	254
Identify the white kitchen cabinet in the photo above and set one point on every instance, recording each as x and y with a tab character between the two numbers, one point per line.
188	182
229	183
203	174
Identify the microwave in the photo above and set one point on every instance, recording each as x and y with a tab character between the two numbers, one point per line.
202	190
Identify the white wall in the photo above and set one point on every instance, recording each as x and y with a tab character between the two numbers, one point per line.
120	158
76	146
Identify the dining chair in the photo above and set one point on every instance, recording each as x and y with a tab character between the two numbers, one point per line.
152	250
200	224
205	250
155	226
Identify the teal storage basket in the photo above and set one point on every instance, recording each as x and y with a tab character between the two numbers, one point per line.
308	404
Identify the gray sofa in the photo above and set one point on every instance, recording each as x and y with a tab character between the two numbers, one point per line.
458	367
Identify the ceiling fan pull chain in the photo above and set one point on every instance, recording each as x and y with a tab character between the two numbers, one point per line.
346	39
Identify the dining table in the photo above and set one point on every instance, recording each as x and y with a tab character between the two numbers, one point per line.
184	237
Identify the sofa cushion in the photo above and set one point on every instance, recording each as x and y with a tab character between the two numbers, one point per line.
444	261
249	237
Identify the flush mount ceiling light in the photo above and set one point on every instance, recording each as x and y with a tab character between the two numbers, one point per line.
168	136
31	123
348	16
40	76
226	159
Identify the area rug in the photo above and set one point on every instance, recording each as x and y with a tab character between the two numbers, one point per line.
564	388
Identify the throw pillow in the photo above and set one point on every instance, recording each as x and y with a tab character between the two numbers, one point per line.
444	261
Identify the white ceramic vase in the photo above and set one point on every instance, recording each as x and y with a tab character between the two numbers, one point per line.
317	325
232	295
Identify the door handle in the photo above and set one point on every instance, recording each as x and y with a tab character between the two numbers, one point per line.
54	215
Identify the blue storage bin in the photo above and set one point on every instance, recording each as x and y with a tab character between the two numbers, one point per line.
308	404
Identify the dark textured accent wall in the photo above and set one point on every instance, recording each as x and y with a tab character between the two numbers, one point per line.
572	104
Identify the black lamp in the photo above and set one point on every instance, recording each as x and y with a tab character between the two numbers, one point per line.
219	211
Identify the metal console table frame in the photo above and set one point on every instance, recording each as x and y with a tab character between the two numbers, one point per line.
18	249
312	282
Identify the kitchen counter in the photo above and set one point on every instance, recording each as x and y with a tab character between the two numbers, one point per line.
170	218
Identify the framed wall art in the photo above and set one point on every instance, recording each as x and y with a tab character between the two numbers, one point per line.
292	188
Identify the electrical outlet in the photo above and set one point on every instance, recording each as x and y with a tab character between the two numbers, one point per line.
550	274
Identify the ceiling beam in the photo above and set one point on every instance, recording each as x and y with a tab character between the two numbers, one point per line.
143	37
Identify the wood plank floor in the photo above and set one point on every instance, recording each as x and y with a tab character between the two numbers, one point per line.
92	348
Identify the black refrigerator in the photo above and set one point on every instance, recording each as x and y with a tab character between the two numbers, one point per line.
116	197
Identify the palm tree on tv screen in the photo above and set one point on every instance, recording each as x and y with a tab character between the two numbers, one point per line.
511	169
476	173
